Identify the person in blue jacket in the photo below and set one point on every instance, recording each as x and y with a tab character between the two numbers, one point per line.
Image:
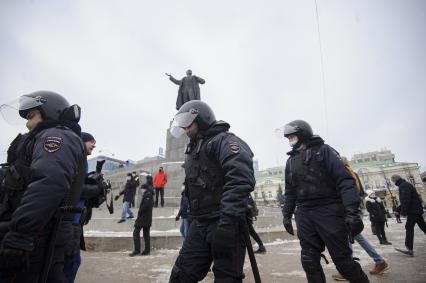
72	259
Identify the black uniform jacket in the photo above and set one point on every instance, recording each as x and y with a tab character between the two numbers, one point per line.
343	185
57	166
236	161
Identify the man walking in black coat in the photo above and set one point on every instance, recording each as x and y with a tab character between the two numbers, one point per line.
127	198
143	221
411	206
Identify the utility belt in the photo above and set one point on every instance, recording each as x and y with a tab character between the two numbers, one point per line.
319	202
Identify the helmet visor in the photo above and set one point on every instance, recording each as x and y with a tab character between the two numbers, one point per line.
279	132
290	130
28	102
180	122
10	112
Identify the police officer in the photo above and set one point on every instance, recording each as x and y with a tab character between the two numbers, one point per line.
45	173
318	184
219	177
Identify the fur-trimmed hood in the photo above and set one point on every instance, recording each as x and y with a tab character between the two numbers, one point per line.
377	199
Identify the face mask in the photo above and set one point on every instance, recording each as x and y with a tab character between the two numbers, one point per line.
293	142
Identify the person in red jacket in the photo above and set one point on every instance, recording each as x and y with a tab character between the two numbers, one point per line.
160	180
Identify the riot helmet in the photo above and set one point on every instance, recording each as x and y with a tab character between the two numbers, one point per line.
192	111
52	106
299	128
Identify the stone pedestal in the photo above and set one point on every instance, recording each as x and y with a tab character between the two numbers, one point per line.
172	164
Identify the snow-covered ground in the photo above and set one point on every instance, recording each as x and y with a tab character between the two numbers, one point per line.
281	263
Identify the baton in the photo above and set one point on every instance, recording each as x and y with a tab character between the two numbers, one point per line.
250	252
52	238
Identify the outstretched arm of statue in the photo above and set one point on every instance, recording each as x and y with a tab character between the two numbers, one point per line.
178	82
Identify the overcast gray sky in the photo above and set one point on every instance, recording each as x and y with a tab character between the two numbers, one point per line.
260	60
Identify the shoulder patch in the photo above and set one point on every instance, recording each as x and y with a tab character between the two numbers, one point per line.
234	146
52	144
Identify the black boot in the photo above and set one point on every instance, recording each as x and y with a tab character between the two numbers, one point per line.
260	250
134	253
145	252
405	251
385	241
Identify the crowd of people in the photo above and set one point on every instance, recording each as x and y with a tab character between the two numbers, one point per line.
47	195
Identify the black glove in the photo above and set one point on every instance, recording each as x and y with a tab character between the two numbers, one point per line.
177	218
224	241
116	197
13	260
353	222
288	225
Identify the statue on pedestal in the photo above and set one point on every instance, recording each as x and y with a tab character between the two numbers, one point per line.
189	88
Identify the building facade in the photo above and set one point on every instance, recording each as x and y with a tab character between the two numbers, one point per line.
375	170
109	165
269	182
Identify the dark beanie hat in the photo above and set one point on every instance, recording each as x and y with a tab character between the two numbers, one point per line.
87	137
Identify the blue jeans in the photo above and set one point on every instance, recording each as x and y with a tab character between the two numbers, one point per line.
71	265
184	225
126	210
368	248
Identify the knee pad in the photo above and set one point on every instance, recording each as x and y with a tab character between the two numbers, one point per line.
351	270
179	276
312	266
310	260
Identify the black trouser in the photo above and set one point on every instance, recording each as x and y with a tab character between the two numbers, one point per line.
37	260
195	256
161	192
379	227
398	217
322	227
412	219
254	235
137	239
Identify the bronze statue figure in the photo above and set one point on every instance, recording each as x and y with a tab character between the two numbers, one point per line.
189	88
